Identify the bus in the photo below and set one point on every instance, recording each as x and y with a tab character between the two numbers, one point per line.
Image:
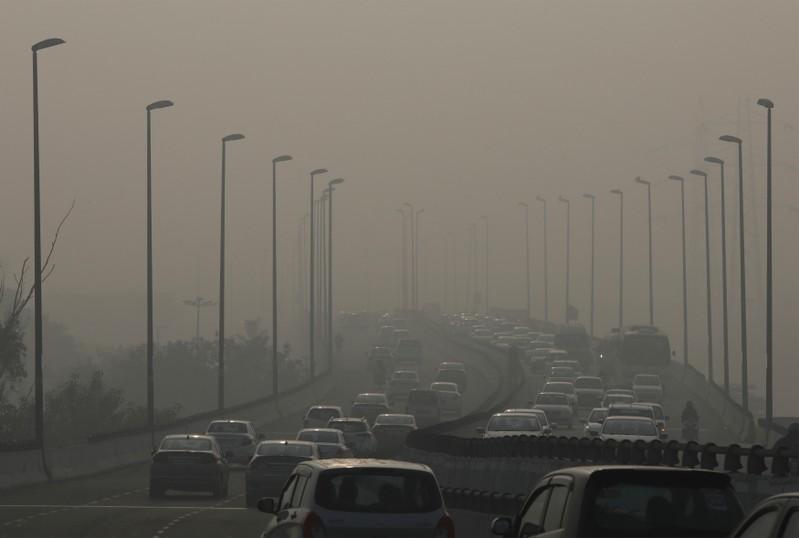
637	349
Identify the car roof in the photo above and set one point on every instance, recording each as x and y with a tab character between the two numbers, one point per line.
230	421
531	410
588	470
346	419
632	405
625	417
325	407
188	436
371	394
286	442
589	377
358	463
511	414
319	430
395	415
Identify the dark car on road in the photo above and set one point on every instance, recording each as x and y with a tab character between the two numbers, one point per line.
188	463
775	517
272	464
627	501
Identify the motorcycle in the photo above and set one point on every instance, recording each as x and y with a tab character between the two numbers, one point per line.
690	431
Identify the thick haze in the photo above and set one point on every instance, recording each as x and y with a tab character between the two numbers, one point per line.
462	108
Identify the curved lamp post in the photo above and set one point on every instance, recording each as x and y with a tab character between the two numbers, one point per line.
621	256
311	285
649	211
724	324
546	259
275	372
710	377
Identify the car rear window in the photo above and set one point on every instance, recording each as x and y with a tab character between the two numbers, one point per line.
285	449
516	423
370	398
655	505
588	383
631	412
565	388
628	427
596	416
349	426
186	444
403	420
647	380
323	413
423	397
451	376
318	437
552	399
378	490
227	427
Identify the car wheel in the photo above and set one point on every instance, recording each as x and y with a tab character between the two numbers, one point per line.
155	492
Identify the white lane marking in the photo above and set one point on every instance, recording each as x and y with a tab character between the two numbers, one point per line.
62	507
217	506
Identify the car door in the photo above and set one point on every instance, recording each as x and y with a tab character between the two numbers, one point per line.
762	523
555	516
530	520
284	501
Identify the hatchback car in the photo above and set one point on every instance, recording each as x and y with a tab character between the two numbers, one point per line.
563	387
348	498
425	406
648	388
357	435
629	429
390	431
271	466
510	424
453	375
590	391
330	442
594	421
318	415
237	438
557	406
188	463
450	398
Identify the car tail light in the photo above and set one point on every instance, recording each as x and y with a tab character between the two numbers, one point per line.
312	527
445	528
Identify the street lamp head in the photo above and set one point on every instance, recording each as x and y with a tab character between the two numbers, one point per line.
419	212
232	137
563	199
714	160
642	181
160	104
766	103
541	199
336	181
407	204
699	173
483	217
282	159
677	178
617	191
318	171
589	196
730	138
523	204
47	43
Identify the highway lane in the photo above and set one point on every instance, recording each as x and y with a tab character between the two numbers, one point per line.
115	503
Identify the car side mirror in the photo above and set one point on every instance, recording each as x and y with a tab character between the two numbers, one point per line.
531	529
481	431
267	505
501	526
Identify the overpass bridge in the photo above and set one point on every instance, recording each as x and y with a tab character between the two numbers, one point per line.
100	488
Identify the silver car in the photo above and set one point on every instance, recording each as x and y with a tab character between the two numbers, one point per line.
347	498
236	438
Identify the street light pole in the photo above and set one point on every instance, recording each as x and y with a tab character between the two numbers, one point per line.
527	254
150	346
330	190
37	253
221	345
546	260
412	261
684	275
416	260
768	105
593	229
707	274
485	276
568	252
651	286
725	354
741	244
621	256
403	265
280	159
311	283
197	304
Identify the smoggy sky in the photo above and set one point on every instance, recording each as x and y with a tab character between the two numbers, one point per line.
463	108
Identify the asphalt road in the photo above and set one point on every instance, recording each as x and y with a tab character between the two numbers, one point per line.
116	504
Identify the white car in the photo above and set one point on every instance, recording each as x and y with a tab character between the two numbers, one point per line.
660	418
540	413
318	415
236	438
557	406
449	398
611	399
590	391
629	429
509	424
359	498
594	421
648	388
329	441
564	387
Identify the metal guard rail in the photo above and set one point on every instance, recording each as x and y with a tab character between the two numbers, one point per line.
585	451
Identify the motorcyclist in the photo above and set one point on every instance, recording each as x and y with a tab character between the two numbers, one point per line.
689	414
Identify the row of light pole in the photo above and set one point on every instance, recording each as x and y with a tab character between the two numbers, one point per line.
409	256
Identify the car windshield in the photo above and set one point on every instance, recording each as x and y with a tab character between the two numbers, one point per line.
565	388
513	423
631	411
318	436
349	426
227	427
647	380
323	413
378	490
285	449
395	420
598	415
446	387
655	505
629	427
370	398
186	444
552	399
405	375
588	383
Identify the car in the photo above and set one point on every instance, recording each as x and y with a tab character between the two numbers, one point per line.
399	335
628	392
648	388
557	406
188	462
385	336
626	501
660	418
407	350
318	415
401	383
371	398
510	424
347	498
611	399
329	441
539	360
390	431
569	363
405	375
589	390
449	398
357	435
630	410
774	517
540	413
452	365
546	337
564	387
368	411
237	438
623	428
594	420
453	375
561	373
271	466
425	406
